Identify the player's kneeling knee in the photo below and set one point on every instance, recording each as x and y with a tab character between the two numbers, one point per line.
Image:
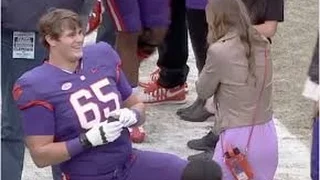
202	170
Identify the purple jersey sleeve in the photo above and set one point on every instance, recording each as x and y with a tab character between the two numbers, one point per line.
38	120
37	114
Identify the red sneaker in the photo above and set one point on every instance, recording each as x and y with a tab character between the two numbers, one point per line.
137	134
154	76
155	94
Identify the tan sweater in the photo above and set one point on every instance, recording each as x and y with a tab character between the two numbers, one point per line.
225	76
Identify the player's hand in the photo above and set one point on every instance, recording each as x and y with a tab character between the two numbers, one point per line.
126	116
104	133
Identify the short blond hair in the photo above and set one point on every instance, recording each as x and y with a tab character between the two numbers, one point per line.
55	21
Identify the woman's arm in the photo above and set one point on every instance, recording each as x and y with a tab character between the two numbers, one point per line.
209	77
267	29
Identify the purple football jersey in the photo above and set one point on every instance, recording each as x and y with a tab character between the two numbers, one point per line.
72	103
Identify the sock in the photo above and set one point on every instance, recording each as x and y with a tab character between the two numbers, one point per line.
135	90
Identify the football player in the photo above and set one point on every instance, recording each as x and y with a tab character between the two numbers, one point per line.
67	104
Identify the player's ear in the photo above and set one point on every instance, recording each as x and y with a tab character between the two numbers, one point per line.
51	41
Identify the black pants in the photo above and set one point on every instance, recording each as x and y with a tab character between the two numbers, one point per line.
198	29
173	54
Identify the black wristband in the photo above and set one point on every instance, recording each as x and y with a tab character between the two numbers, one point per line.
84	141
103	135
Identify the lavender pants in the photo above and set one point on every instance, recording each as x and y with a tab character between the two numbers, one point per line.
262	153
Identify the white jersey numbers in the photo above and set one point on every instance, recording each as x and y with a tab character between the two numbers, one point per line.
91	107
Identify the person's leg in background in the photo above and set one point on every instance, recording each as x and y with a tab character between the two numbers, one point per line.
130	20
126	18
155	19
197	112
311	92
106	31
89	7
198	29
12	143
173	55
315	150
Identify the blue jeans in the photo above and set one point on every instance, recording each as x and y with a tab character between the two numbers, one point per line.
315	150
12	145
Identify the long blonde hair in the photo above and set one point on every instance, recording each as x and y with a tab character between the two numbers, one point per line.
224	15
